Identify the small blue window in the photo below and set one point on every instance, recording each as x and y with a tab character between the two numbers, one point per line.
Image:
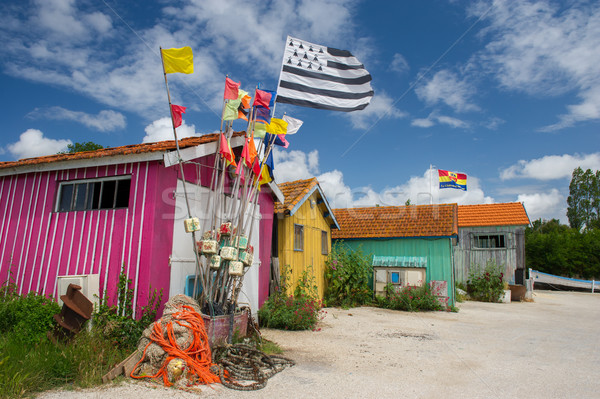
395	277
189	286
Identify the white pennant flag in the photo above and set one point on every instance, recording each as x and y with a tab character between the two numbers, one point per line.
293	124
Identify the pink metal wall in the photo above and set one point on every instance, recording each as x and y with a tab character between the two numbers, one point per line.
38	244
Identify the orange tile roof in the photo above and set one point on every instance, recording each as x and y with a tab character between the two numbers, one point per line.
294	191
123	150
506	214
396	221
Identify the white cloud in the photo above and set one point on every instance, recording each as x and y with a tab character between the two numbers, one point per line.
399	64
443	119
381	107
446	87
162	129
452	122
551	166
543	48
32	143
422	122
545	205
105	121
294	165
63	43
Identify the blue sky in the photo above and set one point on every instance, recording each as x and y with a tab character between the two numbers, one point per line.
506	92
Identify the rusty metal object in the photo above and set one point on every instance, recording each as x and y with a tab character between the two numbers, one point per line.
76	310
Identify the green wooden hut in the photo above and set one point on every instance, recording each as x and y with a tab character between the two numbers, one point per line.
408	244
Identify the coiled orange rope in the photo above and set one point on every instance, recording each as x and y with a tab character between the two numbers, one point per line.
197	356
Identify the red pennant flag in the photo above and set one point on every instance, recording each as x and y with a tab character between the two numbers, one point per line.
244	157
176	111
231	89
226	151
262	98
256	167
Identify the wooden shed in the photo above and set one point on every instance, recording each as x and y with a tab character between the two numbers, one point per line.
302	239
83	217
491	232
415	241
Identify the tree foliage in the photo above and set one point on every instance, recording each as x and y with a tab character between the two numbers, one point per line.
584	199
81	147
558	249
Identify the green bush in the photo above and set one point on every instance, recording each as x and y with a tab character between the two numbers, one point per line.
347	277
486	284
301	311
29	316
410	299
117	323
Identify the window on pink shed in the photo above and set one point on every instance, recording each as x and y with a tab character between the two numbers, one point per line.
93	194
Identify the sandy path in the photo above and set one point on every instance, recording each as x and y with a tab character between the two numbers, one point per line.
546	349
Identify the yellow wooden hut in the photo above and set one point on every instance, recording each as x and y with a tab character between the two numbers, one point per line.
303	231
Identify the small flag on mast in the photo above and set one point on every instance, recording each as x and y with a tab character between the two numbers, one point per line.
322	77
452	180
178	60
177	110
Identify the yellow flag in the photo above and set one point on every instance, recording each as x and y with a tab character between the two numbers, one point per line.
277	126
178	60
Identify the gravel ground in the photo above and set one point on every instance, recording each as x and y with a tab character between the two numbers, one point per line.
548	348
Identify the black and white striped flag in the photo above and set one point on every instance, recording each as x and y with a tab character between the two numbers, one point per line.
322	77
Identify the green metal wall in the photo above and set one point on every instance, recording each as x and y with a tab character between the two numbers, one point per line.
437	250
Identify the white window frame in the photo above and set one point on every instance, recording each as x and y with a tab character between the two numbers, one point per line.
89	181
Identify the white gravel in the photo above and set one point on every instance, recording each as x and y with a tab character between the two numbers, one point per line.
544	349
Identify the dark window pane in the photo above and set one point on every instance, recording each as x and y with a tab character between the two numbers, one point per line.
93	200
66	195
298	237
123	193
324	243
108	194
80	192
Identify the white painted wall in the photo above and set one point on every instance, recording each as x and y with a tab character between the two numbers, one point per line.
182	255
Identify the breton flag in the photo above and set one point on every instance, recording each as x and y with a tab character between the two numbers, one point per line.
452	180
322	77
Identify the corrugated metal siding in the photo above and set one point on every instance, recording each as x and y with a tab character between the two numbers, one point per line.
437	251
313	222
38	244
465	255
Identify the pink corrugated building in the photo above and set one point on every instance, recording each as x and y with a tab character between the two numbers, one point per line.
83	217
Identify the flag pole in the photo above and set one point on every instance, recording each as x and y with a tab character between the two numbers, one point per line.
430	184
280	72
179	161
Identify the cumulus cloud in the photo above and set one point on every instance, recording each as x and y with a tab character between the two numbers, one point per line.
446	87
105	121
62	43
543	48
162	129
32	143
551	166
547	205
294	165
